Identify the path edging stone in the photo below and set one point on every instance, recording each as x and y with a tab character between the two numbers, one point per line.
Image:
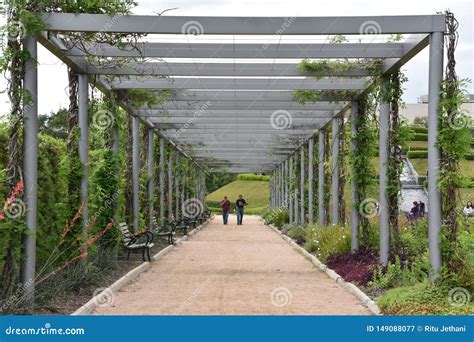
92	304
349	287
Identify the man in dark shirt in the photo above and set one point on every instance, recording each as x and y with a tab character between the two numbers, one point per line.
239	205
225	206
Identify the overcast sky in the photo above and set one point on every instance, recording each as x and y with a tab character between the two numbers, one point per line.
53	76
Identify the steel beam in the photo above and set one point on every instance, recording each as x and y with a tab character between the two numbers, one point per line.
291	186
30	150
210	69
144	82
383	175
354	190
170	185
243	25
135	171
335	172
310	180
321	213
83	122
241	50
151	177
243	95
302	180
434	196
162	178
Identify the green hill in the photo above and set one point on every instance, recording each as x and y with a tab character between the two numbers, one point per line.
254	192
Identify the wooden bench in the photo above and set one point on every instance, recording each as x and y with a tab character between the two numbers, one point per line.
141	241
164	229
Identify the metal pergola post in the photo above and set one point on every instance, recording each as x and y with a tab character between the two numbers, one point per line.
162	178
302	180
354	208
291	188
30	143
286	182
335	171
383	175
115	151
282	185
321	213
135	170
83	122
310	180
434	196
296	204
176	185
170	185
151	176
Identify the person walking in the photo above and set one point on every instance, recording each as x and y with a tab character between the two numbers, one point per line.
239	205
225	206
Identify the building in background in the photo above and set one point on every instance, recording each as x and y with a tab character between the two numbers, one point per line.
413	110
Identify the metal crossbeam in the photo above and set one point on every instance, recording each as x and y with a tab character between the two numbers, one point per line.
236	50
243	84
212	69
244	25
243	107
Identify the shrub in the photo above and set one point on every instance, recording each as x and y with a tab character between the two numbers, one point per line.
421	299
420	137
325	241
278	217
296	232
252	177
397	274
419	129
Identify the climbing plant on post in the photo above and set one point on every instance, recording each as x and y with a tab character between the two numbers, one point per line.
397	137
342	171
362	171
454	142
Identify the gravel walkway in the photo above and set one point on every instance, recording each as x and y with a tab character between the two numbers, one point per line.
233	270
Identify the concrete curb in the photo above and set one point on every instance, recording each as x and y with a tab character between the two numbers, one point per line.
92	304
349	287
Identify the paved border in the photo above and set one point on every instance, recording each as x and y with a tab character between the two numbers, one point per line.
91	305
350	287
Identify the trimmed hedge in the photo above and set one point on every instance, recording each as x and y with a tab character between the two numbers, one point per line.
423	154
420	137
252	177
419	129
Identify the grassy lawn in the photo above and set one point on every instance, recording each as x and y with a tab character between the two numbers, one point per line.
415	144
254	192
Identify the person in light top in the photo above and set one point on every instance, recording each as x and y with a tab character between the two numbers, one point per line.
468	210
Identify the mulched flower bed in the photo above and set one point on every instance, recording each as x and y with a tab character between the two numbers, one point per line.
357	267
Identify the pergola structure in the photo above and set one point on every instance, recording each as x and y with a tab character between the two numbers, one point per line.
234	101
